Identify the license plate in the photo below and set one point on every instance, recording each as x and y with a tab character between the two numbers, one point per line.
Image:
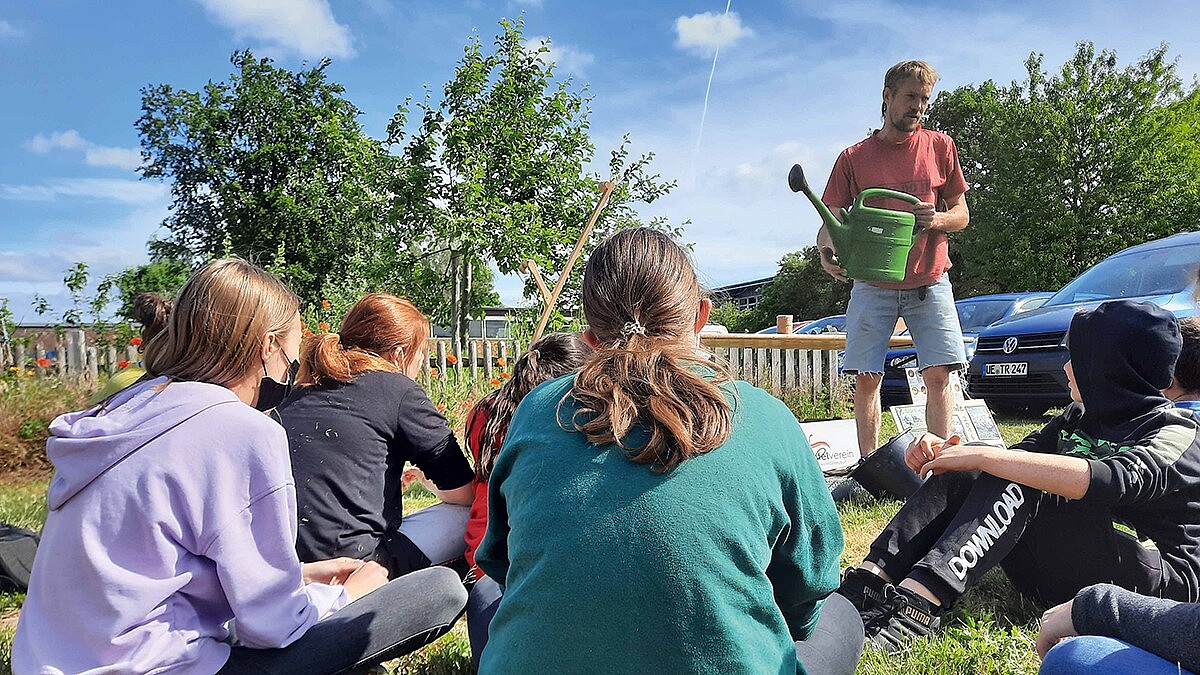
1005	369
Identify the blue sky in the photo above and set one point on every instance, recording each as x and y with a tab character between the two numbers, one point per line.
795	81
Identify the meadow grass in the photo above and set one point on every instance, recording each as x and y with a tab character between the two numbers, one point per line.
991	630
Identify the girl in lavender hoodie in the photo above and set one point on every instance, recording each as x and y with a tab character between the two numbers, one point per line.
170	541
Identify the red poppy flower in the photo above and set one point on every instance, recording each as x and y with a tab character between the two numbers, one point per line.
505	376
136	341
123	364
451	359
441	407
325	304
495	382
501	362
43	363
323	326
433	372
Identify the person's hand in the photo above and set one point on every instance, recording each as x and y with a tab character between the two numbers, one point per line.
830	264
925	449
1056	625
924	212
334	571
365	579
953	456
414	475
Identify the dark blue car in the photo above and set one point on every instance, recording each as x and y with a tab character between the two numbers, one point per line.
973	315
1017	367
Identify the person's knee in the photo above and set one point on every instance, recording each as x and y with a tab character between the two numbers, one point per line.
442	589
1074	656
936	377
867	383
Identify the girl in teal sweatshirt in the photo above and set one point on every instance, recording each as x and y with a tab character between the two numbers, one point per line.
651	515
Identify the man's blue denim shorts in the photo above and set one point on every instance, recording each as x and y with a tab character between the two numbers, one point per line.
932	321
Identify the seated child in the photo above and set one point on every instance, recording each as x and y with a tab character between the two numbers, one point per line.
552	356
357	417
1044	510
650	515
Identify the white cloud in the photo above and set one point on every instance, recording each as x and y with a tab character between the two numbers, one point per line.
530	3
101	189
709	31
567	58
7	30
122	158
93	154
66	140
306	27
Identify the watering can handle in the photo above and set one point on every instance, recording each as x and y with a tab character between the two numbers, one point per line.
881	192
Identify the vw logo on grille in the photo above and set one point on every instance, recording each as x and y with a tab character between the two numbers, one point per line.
1010	345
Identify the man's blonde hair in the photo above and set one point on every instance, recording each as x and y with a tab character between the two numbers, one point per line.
222	316
905	70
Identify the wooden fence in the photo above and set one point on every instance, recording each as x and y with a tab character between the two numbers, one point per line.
66	353
784	362
483	356
781	362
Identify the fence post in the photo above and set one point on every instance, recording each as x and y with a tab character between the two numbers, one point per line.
473	354
487	359
77	365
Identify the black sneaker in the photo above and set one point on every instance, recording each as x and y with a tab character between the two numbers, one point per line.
902	616
865	590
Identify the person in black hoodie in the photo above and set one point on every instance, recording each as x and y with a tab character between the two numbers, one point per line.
1047	509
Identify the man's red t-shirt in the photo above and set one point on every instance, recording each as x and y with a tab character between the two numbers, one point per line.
925	166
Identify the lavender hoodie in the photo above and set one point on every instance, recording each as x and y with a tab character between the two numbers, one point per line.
172	511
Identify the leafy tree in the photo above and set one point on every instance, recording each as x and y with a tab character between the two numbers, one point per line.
496	172
273	166
164	276
1070	167
736	319
803	289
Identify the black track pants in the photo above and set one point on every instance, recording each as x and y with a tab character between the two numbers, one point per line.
960	525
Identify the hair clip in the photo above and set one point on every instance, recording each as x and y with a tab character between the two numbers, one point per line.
631	328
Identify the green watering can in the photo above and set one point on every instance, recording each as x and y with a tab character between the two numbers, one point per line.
872	243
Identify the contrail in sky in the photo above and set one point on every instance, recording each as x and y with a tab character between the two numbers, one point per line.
704	112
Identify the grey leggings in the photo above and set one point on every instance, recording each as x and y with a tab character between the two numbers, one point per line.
397	618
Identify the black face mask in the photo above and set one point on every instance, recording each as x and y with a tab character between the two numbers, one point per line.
271	392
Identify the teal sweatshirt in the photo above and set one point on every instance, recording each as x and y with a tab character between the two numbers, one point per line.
713	567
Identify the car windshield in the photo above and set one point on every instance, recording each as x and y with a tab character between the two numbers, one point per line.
830	324
1163	271
975	316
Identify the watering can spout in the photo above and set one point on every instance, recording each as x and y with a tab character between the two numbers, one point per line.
838	231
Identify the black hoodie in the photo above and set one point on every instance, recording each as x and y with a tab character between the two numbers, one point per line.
1144	453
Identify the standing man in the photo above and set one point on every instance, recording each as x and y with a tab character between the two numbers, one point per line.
906	157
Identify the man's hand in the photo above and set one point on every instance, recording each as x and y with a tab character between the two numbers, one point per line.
830	264
926	449
1057	625
924	212
334	571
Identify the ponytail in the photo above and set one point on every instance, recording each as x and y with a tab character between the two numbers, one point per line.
324	359
661	388
642	301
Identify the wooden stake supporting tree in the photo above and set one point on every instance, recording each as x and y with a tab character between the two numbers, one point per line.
550	297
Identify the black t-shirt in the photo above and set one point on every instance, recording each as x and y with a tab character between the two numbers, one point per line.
349	443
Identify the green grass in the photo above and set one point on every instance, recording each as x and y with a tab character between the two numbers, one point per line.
991	631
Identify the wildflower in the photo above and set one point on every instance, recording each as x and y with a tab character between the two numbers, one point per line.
307	333
323	326
495	382
325	304
441	407
502	362
451	359
505	376
123	365
43	363
136	341
433	372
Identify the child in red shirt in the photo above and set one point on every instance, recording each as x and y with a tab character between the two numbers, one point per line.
553	356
